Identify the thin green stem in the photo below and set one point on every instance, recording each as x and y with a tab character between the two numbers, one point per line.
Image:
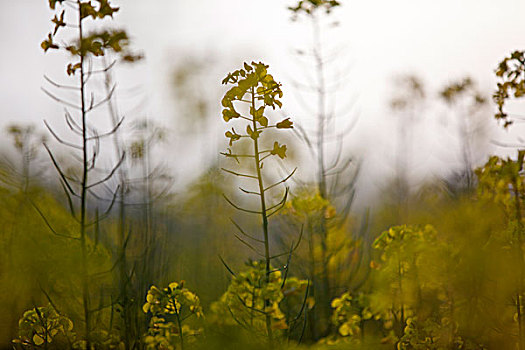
84	192
264	217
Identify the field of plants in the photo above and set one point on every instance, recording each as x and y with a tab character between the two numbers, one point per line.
262	250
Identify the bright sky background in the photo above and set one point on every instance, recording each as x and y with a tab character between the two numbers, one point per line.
438	40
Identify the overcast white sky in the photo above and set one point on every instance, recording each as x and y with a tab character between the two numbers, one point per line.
438	40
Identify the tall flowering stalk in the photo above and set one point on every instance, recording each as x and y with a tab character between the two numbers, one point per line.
254	87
